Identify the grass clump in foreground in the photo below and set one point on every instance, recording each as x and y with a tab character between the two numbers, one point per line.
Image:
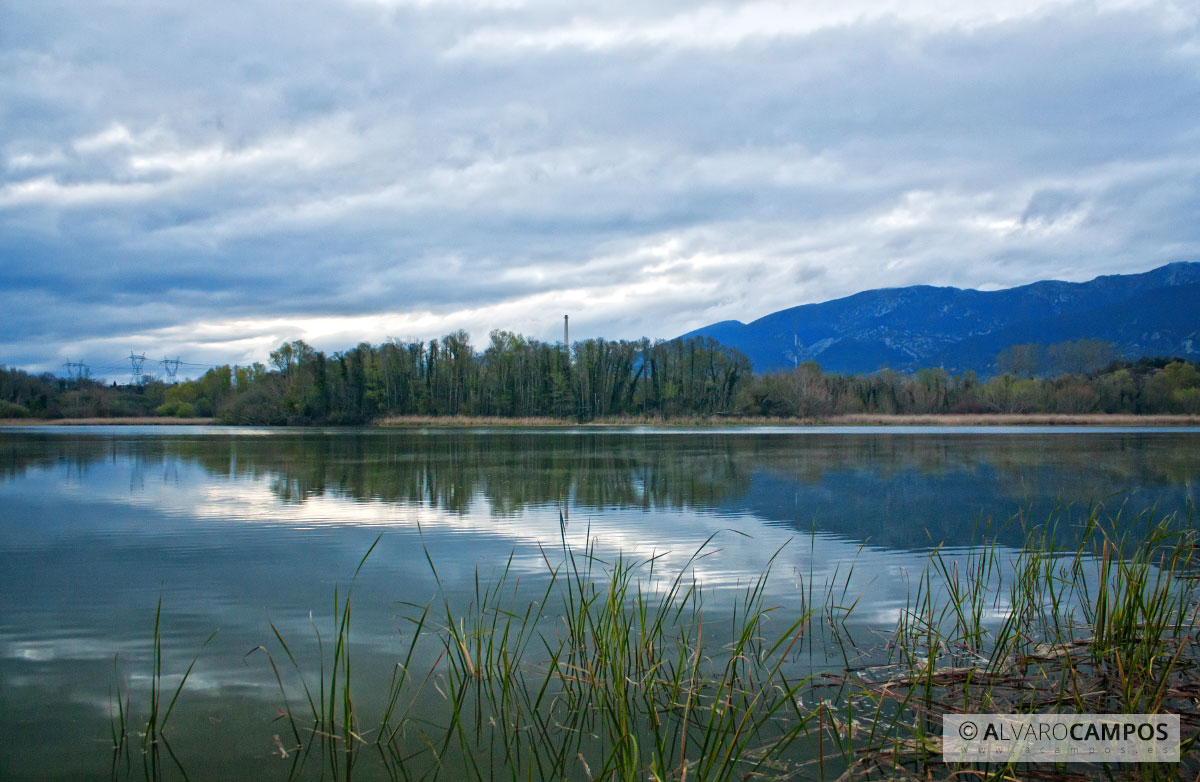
1109	627
608	674
610	671
153	731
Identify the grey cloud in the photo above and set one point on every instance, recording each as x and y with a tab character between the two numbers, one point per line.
165	166
1047	206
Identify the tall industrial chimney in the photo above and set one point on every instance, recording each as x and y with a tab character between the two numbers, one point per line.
566	334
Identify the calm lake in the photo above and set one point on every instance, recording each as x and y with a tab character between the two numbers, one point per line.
239	530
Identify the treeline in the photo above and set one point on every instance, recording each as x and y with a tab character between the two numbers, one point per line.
25	395
515	377
1077	357
1145	386
512	377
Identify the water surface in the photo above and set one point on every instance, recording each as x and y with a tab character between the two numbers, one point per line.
235	529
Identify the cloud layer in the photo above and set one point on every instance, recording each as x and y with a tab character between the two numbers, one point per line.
209	180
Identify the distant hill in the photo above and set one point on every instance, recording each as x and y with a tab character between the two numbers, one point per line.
1155	313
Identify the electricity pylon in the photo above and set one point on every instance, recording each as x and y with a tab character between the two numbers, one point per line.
170	366
135	368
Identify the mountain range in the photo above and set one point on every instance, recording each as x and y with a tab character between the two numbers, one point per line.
1156	313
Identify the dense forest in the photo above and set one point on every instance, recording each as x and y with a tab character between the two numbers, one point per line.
515	377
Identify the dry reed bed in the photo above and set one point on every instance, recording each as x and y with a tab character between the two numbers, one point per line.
865	419
1016	419
930	419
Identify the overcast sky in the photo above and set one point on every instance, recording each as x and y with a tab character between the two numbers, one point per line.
208	179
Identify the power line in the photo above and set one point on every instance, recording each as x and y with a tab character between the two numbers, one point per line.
135	364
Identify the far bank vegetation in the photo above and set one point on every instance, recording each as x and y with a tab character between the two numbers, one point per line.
518	378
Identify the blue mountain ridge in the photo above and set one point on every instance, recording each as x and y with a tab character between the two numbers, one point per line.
1155	313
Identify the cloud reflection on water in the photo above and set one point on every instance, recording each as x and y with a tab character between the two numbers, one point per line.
233	531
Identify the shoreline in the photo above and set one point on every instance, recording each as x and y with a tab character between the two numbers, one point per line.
1016	419
147	420
856	419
